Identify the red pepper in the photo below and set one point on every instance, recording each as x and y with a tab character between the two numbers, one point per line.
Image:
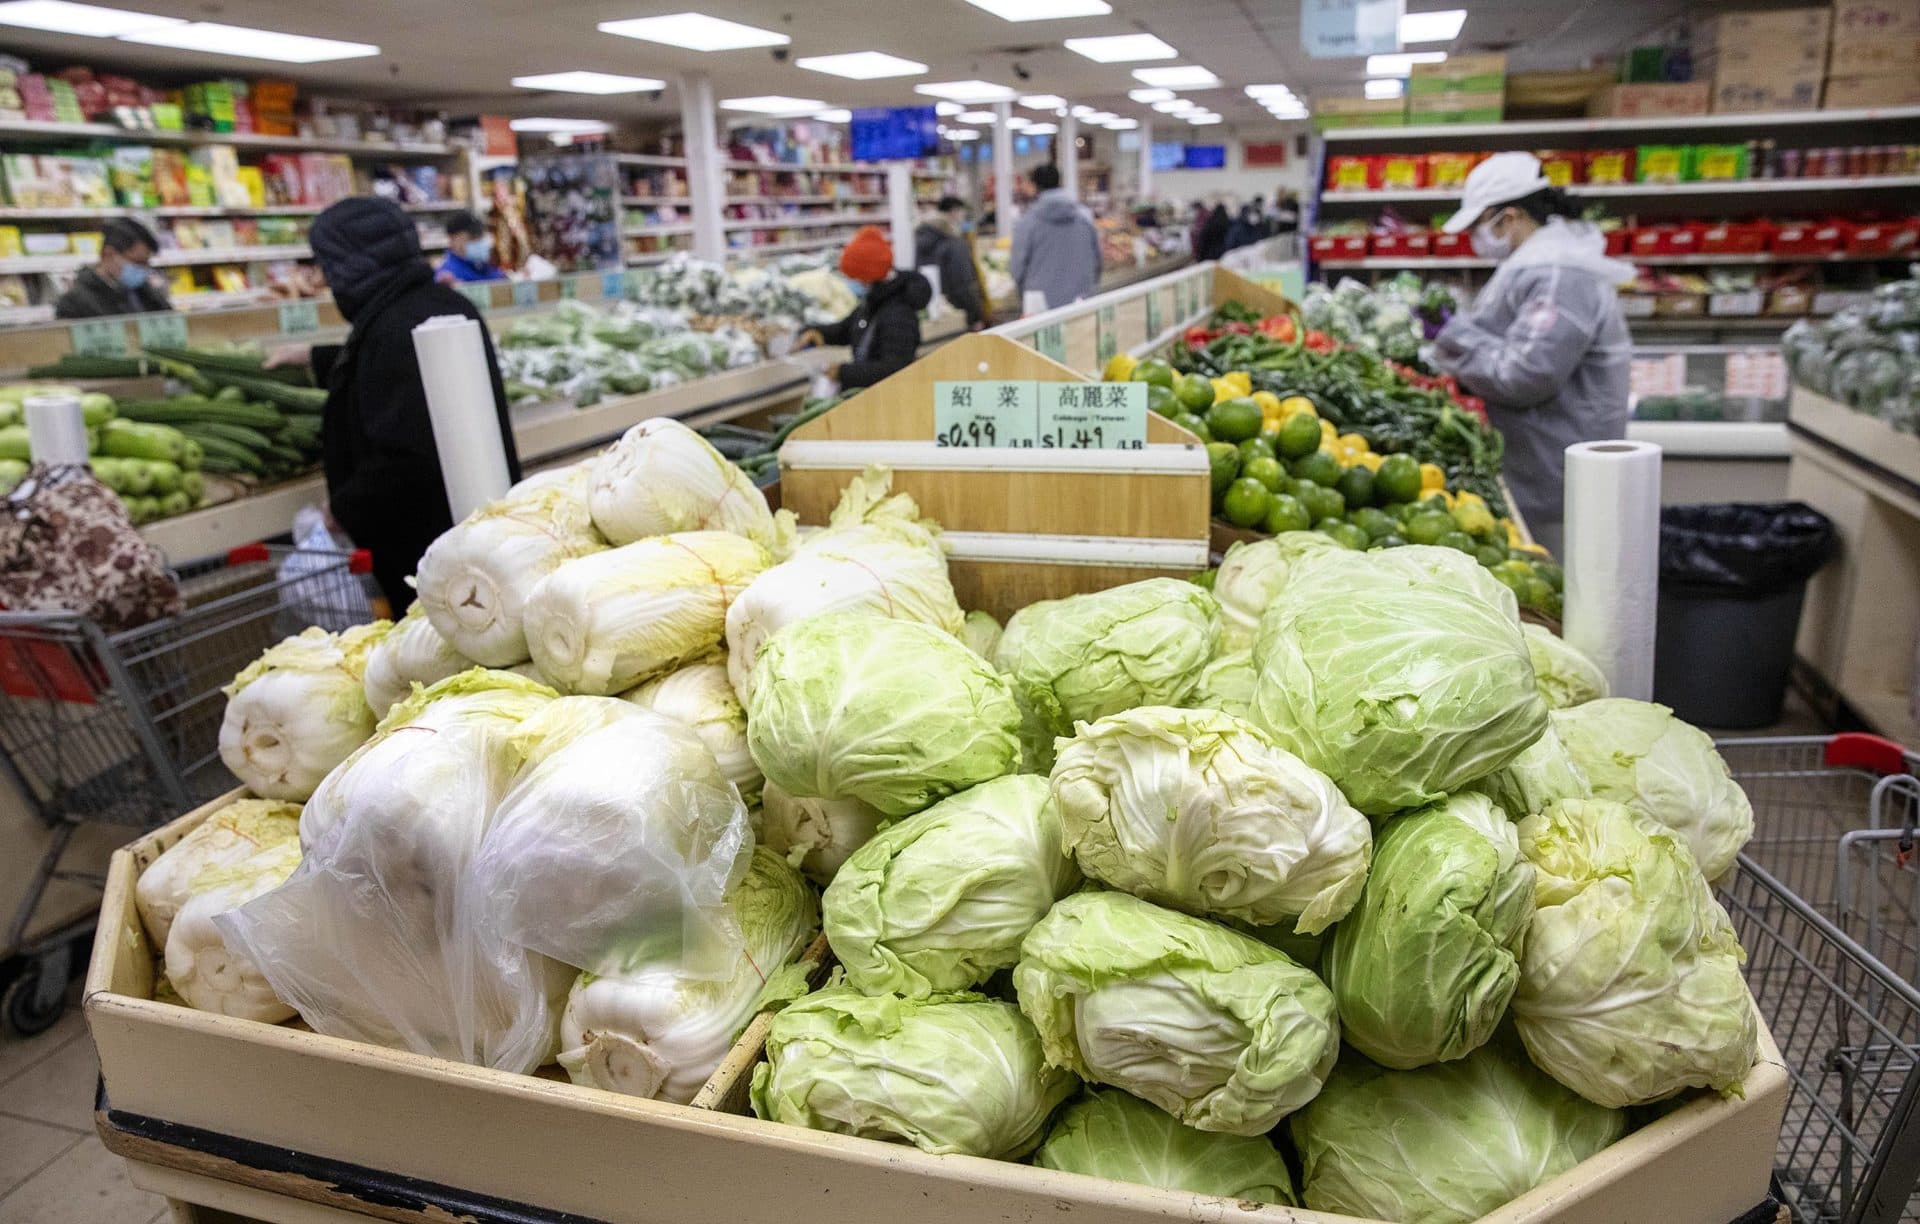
1238	329
1278	327
1319	342
1198	335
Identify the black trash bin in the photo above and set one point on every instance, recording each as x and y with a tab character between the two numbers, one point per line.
1732	579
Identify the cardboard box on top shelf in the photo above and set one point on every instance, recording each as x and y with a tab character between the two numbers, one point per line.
1863	22
1456	108
1892	55
1651	101
1778	29
1865	92
1484	72
1358	112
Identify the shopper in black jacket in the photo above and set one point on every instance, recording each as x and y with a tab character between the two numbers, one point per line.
941	243
383	472
883	331
1213	236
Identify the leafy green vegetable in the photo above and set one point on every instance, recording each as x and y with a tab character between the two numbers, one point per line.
1252	574
1565	676
1110	1134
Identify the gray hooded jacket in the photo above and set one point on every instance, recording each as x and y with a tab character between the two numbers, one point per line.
1546	346
1056	250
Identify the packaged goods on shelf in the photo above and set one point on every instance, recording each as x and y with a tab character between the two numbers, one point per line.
1476	73
1648	101
1329	113
1482	107
1868	91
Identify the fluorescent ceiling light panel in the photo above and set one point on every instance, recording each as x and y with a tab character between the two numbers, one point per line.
577	127
589	83
1123	125
963	134
242	42
862	65
773	104
1400	65
1121	48
1101	117
60	17
1386	87
1148	96
1042	10
695	32
966	91
1184	76
1043	102
1204	120
1017	124
1442	26
1269	91
976	116
1042	129
947	110
834	116
1173	106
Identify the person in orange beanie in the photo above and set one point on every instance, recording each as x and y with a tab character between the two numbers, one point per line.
883	332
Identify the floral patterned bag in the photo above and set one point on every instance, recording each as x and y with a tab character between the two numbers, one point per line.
66	545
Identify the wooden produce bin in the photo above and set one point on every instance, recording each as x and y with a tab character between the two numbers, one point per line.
291	1126
1022	524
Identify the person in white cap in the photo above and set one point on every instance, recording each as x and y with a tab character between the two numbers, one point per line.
1545	343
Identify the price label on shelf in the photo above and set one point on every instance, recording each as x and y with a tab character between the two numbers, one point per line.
1105	340
1153	314
168	330
1657	375
984	413
1756	374
1051	341
480	295
1093	416
526	293
99	338
613	285
297	317
569	289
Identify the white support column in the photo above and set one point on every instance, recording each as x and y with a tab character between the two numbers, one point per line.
900	211
1002	170
706	181
1145	189
1069	160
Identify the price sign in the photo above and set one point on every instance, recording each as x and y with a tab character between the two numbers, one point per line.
479	294
1657	375
984	413
167	330
1756	374
1153	314
1105	342
1051	341
526	293
297	317
569	289
99	338
1093	416
1341	29
613	285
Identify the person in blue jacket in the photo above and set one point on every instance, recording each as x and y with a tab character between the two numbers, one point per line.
469	252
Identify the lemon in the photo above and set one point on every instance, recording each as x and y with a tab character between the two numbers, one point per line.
1119	367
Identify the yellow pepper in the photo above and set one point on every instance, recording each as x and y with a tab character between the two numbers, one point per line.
1270	412
1240	379
1223	390
1432	478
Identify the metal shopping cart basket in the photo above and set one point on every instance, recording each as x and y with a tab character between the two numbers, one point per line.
123	728
1824	900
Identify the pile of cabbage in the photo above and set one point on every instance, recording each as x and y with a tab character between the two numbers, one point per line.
1208	891
1866	356
583	353
1392	318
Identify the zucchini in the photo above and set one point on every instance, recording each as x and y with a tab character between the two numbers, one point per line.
220	466
14	444
139	440
194	485
163	477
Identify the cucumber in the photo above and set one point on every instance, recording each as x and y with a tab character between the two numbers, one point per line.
139	440
185	409
224	456
252	439
74	365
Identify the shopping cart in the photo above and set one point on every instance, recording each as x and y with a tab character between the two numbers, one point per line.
1824	901
123	728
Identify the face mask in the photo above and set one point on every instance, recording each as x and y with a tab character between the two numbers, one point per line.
1489	245
132	275
478	251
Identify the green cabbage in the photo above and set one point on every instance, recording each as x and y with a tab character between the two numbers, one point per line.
952	1073
940	900
1122	1138
1401	687
1251	574
1638	753
1226	683
1425	965
1087	656
1542	774
892	712
1198	810
1444	1144
1565	676
1630	983
1215	1027
981	633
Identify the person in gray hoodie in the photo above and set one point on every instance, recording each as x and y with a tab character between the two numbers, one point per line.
1056	249
1546	343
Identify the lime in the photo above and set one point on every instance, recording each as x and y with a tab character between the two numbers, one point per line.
1474	518
1374	522
1194	391
1234	420
1154	370
1489	555
1356	485
1401	511
1256	448
1162	401
1389	541
1460	541
1300	436
1225	459
1436	502
1515	569
1344	534
1285	513
1555	577
1398	479
1517	583
1321	468
1272	438
1246	502
1263	468
1322	502
1537	594
1427	527
1553	606
1193	425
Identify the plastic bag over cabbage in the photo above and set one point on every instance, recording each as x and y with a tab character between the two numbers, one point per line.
952	1073
1198	810
298	710
1215	1027
1110	1134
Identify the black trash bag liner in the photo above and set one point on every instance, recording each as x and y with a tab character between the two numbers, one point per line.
1742	550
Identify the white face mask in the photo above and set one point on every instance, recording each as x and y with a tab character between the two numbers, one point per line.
1489	245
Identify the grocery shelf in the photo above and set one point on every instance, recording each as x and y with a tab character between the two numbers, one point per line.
781	248
1730	322
641	259
805	221
27	129
1669	123
816	168
92	212
807	199
657	201
648	159
1878	182
639	231
17	316
1659	261
218	301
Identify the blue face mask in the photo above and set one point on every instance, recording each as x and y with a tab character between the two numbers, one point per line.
478	250
132	275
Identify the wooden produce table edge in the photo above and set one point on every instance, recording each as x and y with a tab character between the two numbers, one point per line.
1880	450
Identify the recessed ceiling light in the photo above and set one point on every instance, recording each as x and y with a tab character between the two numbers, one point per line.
1292	110
834	116
1043	10
1098	117
589	82
60	17
1184	76
1442	26
773	104
1123	125
1081	112
966	91
1399	65
574	127
695	32
862	65
1173	106
948	110
1121	48
1043	102
1269	91
1386	87
1042	129
1017	124
976	116
963	134
241	42
1203	120
1145	96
